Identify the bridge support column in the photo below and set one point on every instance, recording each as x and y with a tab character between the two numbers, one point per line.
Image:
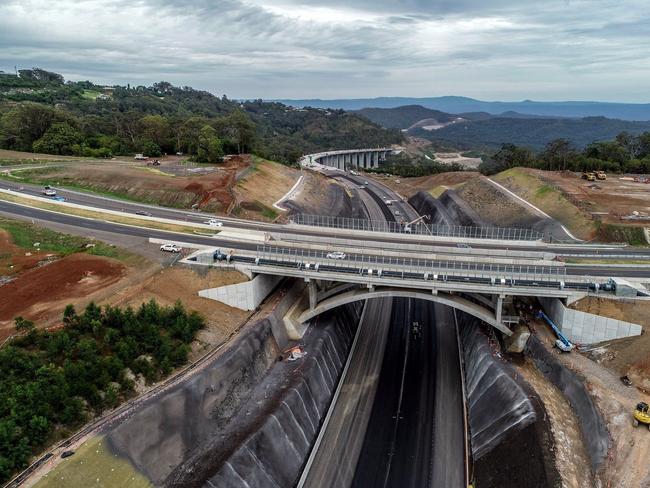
313	294
498	307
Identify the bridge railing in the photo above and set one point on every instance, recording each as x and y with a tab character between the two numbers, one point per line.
361	263
461	231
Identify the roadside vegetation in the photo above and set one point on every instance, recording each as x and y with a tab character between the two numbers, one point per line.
53	381
40	112
627	153
411	166
27	235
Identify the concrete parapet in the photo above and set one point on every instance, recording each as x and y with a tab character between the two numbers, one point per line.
587	328
245	296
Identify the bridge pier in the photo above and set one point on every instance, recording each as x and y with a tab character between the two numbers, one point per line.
313	293
498	307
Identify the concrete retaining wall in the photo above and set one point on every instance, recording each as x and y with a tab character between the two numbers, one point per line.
587	328
245	296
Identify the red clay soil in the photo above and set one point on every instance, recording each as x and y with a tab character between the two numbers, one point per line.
220	187
35	292
14	259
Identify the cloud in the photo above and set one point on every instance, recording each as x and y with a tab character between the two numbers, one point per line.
503	49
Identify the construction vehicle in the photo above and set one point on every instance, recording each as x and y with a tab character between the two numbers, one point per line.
641	415
589	176
562	343
601	175
407	226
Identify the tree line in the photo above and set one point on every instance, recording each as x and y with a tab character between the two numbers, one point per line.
627	153
54	381
40	112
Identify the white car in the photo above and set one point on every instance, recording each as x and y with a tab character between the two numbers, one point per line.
171	248
48	191
336	255
214	223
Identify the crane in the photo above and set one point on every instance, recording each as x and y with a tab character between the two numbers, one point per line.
562	343
407	226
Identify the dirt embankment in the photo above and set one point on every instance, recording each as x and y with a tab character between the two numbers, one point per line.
41	293
182	283
495	207
242	185
324	196
434	184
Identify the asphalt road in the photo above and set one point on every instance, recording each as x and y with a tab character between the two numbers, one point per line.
415	437
89	227
378	192
334	460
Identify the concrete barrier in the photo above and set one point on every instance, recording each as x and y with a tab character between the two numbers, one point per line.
587	328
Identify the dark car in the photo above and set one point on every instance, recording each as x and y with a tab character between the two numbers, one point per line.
144	212
66	454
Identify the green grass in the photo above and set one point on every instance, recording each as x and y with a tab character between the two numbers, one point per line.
90	94
549	199
93	465
634	236
25	235
268	212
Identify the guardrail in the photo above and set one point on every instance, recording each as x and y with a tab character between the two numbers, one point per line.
411	267
496	233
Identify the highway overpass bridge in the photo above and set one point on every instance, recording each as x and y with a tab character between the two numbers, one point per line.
348	159
478	288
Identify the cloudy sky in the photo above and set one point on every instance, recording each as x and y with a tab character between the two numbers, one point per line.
488	49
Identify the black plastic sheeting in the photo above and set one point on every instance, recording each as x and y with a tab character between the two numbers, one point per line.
497	404
281	419
449	209
593	427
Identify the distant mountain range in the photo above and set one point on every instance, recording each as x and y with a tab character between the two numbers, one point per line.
480	130
458	105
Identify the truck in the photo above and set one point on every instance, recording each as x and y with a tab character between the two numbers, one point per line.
601	175
140	157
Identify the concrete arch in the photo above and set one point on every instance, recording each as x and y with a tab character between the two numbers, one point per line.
454	301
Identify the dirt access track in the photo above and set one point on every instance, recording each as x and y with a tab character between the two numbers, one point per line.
612	198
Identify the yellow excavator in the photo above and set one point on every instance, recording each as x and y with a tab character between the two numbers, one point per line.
641	415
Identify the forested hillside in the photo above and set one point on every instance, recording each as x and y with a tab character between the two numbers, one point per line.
41	112
534	133
404	117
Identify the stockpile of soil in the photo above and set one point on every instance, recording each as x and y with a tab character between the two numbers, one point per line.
36	291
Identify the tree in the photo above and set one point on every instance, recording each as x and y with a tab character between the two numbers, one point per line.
242	130
22	126
150	148
60	138
209	149
23	325
156	128
557	154
38	74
